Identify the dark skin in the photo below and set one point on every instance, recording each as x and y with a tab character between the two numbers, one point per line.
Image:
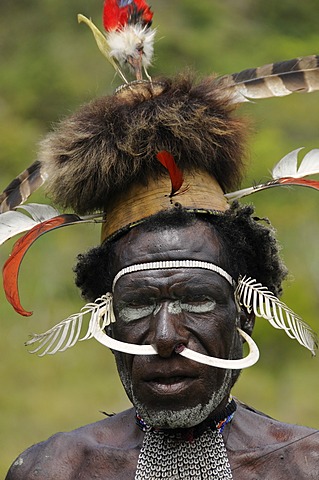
258	447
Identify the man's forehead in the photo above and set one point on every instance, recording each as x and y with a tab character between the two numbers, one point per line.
195	242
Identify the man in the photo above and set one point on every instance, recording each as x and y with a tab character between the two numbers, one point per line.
168	283
168	308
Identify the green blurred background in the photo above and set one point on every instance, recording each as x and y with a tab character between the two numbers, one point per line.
49	66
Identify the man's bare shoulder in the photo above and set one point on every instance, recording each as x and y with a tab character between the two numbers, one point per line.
272	449
104	449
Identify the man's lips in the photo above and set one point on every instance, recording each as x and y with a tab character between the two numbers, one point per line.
170	383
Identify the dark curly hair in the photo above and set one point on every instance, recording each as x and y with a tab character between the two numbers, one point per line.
250	242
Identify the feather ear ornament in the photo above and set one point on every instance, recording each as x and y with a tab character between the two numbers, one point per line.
285	173
258	299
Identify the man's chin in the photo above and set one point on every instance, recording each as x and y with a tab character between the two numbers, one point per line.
174	411
184	417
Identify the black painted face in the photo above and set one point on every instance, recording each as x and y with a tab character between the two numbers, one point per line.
165	308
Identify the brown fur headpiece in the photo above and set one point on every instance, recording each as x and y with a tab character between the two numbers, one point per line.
113	141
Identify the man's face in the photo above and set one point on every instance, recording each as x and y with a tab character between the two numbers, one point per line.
166	308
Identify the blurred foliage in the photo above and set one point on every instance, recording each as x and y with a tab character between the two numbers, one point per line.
49	66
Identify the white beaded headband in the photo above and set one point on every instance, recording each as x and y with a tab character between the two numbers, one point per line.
171	264
248	293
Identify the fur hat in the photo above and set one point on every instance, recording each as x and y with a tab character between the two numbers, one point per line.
112	142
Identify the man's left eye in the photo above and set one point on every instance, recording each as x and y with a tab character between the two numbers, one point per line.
198	305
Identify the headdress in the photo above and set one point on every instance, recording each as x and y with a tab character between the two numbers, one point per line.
127	156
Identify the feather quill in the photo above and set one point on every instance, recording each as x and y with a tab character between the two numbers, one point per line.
20	189
273	80
175	173
286	172
263	303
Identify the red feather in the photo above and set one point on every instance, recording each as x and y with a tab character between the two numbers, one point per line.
299	181
176	175
116	13
12	265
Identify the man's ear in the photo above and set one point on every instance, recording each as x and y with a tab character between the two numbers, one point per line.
247	321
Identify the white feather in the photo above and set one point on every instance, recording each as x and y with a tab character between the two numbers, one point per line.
125	43
288	165
12	222
263	303
310	164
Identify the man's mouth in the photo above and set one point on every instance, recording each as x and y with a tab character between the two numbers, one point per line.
169	385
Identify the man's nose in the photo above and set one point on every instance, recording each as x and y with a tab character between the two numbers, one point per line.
168	330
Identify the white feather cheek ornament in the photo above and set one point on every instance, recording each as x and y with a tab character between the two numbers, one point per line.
258	299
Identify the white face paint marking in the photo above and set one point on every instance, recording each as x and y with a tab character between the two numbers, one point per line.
131	313
18	462
199	307
174	308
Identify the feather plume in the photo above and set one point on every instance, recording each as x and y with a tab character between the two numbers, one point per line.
273	80
65	334
12	265
19	190
286	172
129	34
175	173
13	223
129	39
117	14
263	303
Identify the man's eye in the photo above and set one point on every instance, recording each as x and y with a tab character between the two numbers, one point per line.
132	312
198	305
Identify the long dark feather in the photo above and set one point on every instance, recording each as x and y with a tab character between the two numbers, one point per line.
19	190
273	80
